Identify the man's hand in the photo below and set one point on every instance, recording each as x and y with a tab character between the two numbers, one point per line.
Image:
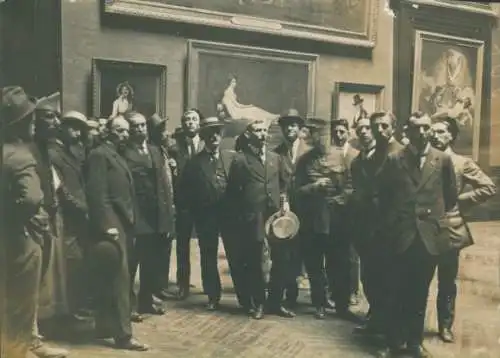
112	234
286	207
322	183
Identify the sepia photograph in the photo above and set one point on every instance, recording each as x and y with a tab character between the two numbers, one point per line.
249	179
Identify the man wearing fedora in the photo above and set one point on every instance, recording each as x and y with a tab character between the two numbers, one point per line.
257	188
187	144
205	177
480	188
290	150
322	182
67	155
110	197
154	223
22	197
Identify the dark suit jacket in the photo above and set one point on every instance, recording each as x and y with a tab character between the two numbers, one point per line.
180	153
283	151
317	208
202	188
416	202
255	190
364	204
69	165
110	190
154	204
474	187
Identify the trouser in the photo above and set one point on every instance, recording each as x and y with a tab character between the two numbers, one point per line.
184	226
147	254
318	250
249	268
283	273
412	274
355	271
112	286
23	270
447	268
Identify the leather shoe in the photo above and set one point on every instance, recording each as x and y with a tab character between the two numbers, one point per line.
131	345
162	295
386	353
282	312
258	313
154	310
136	317
330	304
367	330
320	313
446	335
44	351
212	306
417	352
182	293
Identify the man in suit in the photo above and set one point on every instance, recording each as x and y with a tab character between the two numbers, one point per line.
22	201
110	196
290	150
154	222
479	189
187	144
376	137
205	179
322	182
67	155
340	136
256	186
417	195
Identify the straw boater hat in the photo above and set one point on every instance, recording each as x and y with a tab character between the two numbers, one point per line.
211	122
291	116
74	117
282	226
156	121
15	105
315	123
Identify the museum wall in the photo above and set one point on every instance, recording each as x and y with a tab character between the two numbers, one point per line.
495	100
86	35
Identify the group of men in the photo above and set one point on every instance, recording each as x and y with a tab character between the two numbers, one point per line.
127	189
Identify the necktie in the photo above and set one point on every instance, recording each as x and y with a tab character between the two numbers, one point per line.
192	148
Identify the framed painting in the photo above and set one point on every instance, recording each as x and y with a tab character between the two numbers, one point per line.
349	22
447	81
352	101
120	86
238	83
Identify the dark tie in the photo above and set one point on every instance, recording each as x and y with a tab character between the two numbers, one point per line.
192	148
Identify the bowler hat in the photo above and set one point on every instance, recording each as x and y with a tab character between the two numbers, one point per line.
92	124
16	104
211	122
107	256
357	99
74	116
155	120
50	103
282	225
316	123
291	116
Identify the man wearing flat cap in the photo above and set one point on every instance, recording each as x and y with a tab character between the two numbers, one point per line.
322	182
67	155
290	150
22	197
480	188
205	178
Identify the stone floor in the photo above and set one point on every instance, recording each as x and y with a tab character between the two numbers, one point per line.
189	331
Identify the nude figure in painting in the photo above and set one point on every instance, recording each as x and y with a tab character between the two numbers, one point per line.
238	111
123	102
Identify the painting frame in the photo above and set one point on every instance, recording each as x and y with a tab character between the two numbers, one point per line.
102	66
197	48
352	89
447	40
196	16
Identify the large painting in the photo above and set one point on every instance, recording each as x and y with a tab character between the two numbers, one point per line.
239	83
351	22
120	86
447	81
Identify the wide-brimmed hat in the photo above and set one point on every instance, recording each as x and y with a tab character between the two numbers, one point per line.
292	115
282	225
357	99
74	117
15	105
211	122
155	120
50	103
